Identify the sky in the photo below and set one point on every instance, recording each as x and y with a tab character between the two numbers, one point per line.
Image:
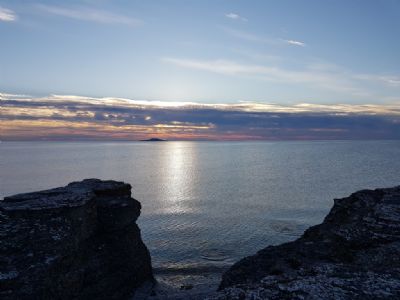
219	70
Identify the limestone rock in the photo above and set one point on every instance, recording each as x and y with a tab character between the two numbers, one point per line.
353	254
75	242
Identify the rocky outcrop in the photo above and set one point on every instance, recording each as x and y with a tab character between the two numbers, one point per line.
353	254
75	242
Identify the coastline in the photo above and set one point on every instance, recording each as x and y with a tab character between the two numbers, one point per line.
352	253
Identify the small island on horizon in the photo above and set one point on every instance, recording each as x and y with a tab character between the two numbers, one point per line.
153	140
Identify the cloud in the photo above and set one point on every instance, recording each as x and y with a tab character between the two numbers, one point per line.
88	14
322	76
295	43
59	117
389	80
122	104
260	39
326	80
234	16
7	15
221	66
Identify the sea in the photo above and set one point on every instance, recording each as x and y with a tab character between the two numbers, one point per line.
208	204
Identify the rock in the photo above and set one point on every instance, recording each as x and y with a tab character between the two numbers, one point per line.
353	254
187	287
75	242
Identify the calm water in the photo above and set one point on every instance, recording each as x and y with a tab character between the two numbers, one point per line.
211	202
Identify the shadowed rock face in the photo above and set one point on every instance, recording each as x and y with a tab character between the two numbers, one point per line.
75	242
353	254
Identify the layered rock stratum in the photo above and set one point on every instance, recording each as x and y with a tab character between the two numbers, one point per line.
80	241
353	254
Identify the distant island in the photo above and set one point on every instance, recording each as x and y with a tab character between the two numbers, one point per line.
153	140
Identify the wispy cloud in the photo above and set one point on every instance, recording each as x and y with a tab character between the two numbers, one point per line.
226	67
244	35
389	80
7	15
60	101
89	14
234	16
295	43
70	117
328	77
314	78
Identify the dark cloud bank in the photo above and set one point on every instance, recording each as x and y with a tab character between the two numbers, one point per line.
79	118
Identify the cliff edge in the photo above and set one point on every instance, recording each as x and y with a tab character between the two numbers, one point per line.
353	254
80	241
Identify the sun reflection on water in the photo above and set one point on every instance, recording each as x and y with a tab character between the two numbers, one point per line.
179	167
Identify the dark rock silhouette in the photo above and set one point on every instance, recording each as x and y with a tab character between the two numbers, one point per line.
75	242
353	254
153	140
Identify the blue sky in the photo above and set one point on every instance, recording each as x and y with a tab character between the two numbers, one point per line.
199	70
284	52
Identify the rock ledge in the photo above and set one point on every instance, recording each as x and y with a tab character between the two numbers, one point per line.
75	242
353	254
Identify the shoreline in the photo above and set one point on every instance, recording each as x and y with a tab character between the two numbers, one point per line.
88	236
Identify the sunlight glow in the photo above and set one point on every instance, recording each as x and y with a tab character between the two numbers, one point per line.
179	165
